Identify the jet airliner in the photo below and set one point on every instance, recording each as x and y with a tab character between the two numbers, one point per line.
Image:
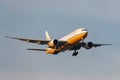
73	41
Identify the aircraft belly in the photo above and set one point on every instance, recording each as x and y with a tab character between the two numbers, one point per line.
60	49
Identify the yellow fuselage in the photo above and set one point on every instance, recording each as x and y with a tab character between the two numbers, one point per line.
71	39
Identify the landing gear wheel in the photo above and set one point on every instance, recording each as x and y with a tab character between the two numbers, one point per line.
55	53
75	53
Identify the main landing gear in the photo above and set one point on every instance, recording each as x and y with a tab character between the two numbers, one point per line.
75	53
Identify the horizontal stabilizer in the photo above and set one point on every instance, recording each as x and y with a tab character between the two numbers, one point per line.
37	49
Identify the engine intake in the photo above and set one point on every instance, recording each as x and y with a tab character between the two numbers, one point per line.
55	42
88	45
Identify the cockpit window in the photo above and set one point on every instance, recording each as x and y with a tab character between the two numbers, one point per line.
84	30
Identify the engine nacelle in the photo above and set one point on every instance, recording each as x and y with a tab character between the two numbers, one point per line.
88	45
53	43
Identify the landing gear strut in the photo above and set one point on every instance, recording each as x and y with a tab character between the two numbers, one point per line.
75	53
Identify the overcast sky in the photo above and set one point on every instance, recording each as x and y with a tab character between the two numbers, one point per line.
30	18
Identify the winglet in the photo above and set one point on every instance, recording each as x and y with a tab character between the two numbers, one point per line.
47	36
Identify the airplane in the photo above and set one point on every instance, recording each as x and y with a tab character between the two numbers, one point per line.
73	41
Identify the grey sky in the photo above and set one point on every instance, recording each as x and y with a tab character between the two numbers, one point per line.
30	18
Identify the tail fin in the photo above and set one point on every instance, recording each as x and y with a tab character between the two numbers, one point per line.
47	36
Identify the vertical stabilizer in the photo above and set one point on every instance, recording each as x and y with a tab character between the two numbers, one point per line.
47	36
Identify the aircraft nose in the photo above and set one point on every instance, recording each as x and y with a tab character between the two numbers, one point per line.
85	34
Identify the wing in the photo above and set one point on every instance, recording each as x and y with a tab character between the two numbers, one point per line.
98	45
37	49
31	40
87	45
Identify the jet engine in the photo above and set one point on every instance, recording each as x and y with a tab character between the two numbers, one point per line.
53	43
88	45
